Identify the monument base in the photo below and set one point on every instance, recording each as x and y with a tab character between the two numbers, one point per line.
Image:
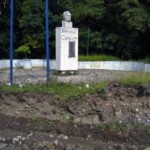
66	49
65	73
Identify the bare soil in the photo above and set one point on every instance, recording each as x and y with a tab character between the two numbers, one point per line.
81	119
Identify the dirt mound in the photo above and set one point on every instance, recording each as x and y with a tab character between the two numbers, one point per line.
116	102
119	103
117	114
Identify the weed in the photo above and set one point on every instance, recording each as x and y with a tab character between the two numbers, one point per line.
129	125
136	79
146	128
40	121
34	118
101	126
114	126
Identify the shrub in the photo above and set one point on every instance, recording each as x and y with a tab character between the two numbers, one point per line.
23	49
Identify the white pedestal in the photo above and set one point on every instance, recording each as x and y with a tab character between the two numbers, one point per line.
66	49
66	24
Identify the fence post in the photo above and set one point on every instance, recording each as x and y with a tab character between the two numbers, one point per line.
11	41
47	39
88	41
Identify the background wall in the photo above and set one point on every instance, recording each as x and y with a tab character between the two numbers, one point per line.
107	65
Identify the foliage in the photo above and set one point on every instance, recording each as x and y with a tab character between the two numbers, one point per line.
4	30
23	49
130	22
31	22
146	60
116	27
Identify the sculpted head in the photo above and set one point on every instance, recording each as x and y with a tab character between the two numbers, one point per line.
67	16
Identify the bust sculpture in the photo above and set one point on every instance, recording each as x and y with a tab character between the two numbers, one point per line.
67	16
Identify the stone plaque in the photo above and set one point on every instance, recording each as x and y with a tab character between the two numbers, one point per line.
71	48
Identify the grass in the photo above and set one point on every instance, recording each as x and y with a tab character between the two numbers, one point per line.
146	128
118	127
108	58
147	59
41	122
98	58
65	91
113	126
136	79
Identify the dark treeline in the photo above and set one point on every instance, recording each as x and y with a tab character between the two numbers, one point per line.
113	27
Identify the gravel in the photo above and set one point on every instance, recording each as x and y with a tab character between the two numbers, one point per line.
38	75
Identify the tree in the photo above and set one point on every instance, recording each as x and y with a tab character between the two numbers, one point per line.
117	27
88	15
31	22
127	20
4	29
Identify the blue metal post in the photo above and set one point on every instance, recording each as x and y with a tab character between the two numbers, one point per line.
47	40
11	40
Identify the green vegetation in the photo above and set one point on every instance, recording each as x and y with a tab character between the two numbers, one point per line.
114	126
101	126
136	79
112	27
97	58
108	58
118	127
23	49
41	122
68	91
64	90
146	128
147	59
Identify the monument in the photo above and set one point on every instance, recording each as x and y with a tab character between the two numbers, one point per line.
66	45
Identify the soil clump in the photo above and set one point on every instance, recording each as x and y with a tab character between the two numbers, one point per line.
117	117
